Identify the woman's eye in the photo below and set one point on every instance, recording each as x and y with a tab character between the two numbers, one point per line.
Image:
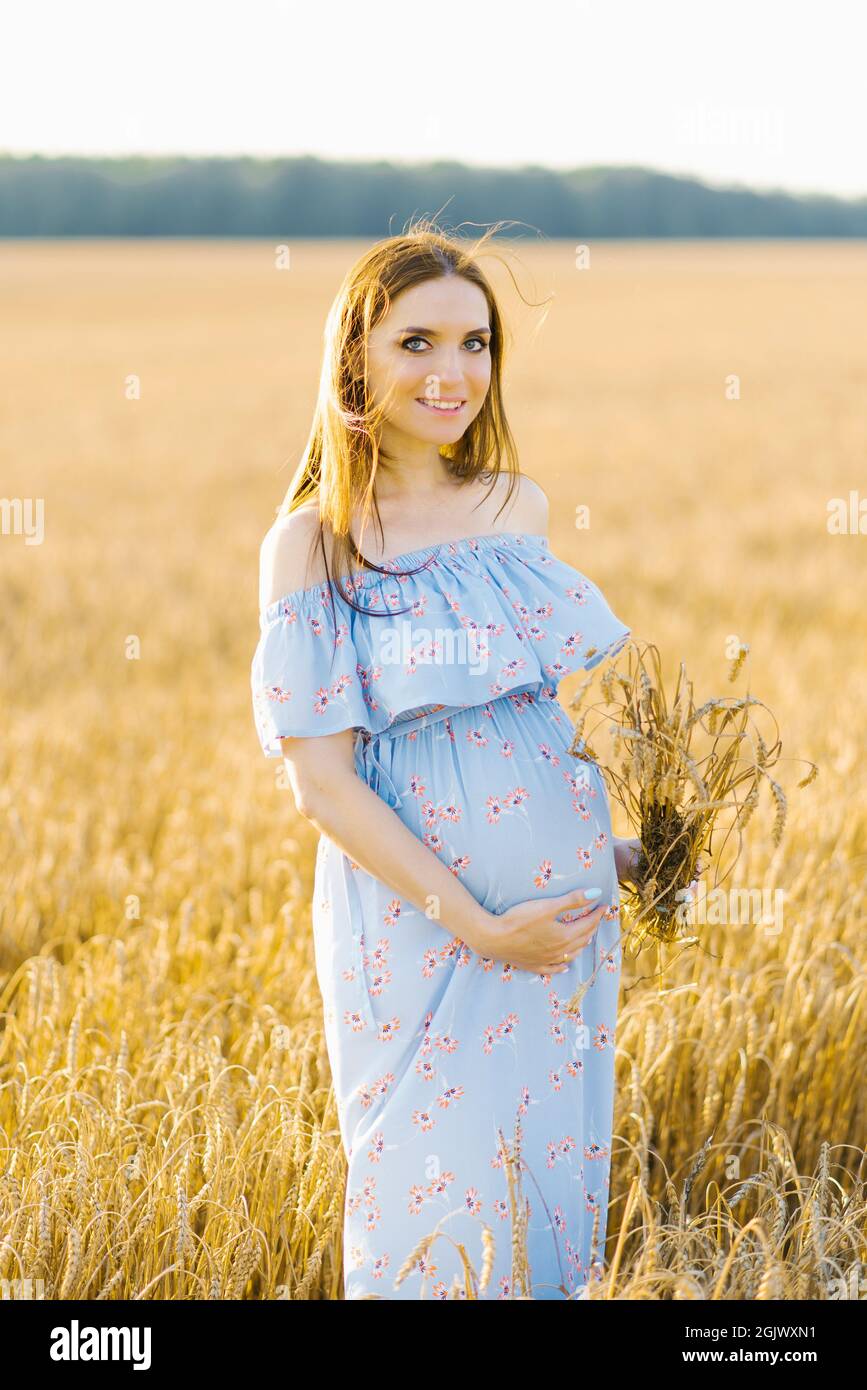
416	338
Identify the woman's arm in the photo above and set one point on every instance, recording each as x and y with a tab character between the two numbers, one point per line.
329	793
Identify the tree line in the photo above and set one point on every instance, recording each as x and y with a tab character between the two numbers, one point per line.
307	197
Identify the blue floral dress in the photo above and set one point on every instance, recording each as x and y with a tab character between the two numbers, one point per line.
438	1053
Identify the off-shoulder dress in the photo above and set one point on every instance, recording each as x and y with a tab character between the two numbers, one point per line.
436	1051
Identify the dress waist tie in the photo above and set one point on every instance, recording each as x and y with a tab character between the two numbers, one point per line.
377	777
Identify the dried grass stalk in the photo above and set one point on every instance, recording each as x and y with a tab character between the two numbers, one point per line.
684	771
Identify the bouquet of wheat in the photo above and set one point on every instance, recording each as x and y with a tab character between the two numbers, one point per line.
682	770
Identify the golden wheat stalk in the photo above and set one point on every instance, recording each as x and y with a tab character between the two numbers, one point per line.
682	768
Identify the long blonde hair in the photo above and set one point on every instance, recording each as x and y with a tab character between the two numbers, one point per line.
340	460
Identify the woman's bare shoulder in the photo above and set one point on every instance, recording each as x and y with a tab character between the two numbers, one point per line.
289	559
537	509
527	508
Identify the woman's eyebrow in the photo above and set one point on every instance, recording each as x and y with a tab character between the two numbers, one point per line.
432	332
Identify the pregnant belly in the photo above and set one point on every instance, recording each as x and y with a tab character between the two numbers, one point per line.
494	793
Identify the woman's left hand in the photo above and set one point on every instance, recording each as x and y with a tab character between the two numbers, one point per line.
626	854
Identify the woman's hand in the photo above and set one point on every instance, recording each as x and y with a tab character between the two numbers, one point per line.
528	936
626	854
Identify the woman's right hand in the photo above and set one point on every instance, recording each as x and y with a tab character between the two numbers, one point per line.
529	937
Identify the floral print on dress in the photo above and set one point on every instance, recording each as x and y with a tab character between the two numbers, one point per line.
436	1049
488	616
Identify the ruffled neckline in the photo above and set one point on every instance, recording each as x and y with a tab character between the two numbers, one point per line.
498	616
363	579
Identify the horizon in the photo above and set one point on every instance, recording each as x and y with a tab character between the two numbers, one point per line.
686	176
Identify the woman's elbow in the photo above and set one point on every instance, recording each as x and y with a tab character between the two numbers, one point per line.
308	800
316	799
312	811
318	784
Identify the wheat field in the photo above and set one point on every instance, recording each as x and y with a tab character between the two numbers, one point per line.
167	1125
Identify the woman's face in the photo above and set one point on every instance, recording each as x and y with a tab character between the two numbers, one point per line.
430	363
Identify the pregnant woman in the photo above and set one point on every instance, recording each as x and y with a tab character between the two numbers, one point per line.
467	879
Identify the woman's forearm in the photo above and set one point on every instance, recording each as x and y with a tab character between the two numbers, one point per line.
366	829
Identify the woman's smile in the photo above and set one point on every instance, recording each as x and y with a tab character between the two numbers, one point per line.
443	407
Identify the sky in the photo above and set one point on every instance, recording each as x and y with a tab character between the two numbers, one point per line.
763	93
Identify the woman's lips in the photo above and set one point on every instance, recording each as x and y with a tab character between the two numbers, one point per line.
442	408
